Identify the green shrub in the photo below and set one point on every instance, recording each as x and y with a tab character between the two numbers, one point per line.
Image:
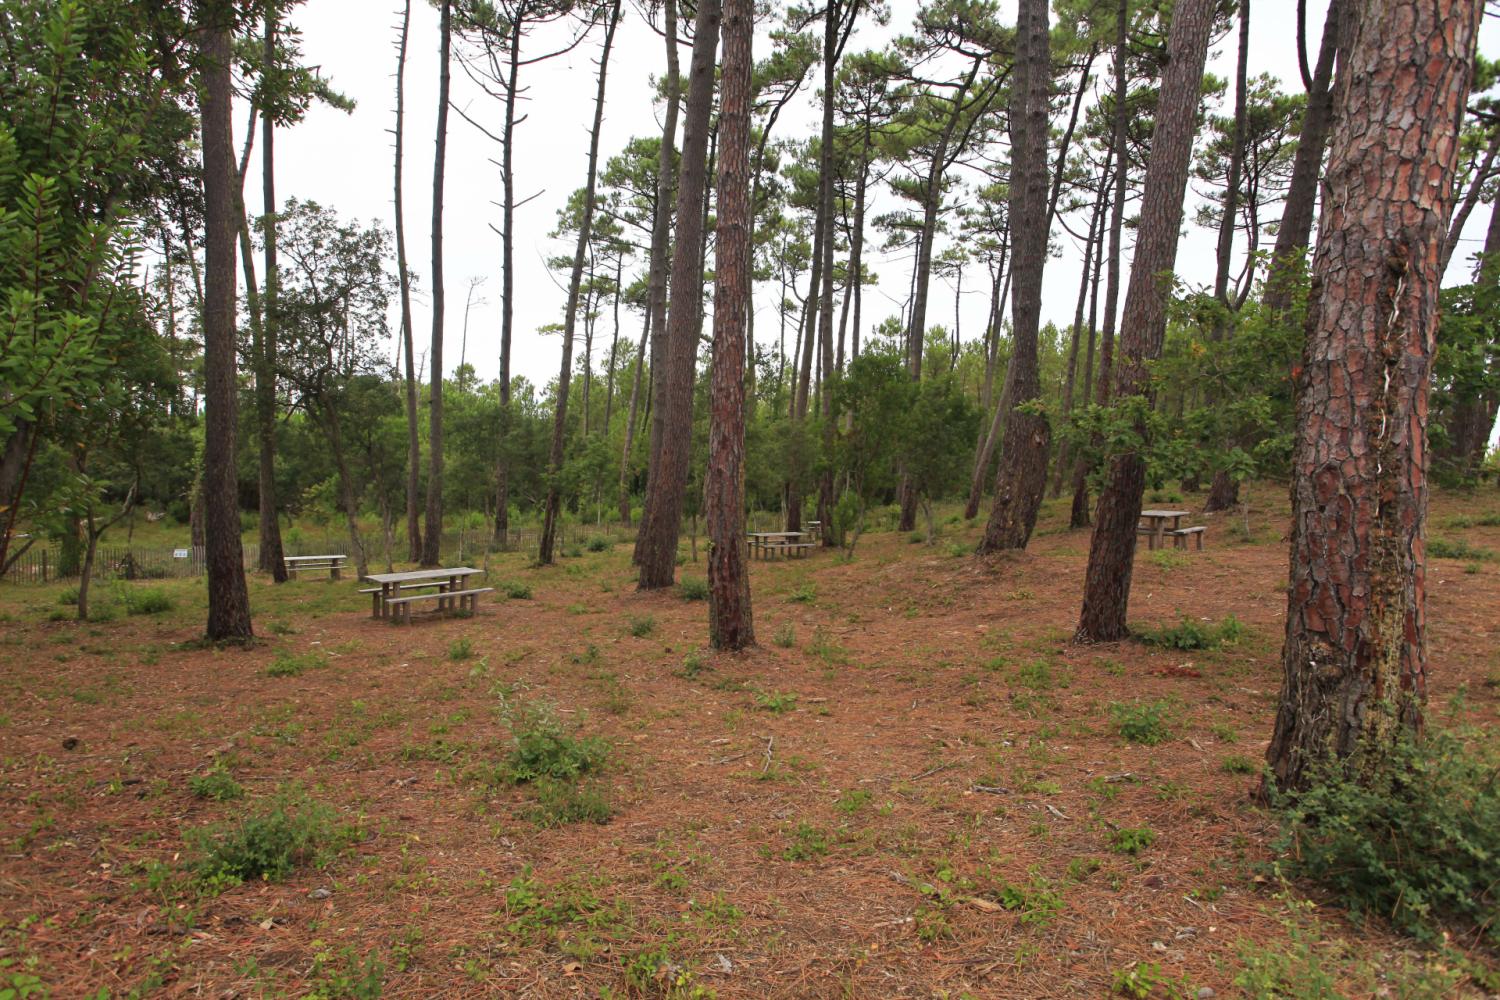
692	589
599	544
1142	722
541	748
642	626
560	803
460	649
694	664
776	702
218	784
1414	838
151	601
1238	764
286	831
1190	634
516	591
786	636
1131	840
805	594
68	598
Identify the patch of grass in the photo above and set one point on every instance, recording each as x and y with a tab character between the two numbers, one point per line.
776	702
642	626
515	590
785	636
694	664
805	594
218	785
1442	548
1412	834
599	543
561	803
148	601
1238	764
852	801
807	842
288	664
1192	634
1131	840
287	830
1143	722
1169	559
460	649
690	588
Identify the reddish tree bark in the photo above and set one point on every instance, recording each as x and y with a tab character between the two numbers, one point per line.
432	539
413	439
730	623
1022	476
656	543
1354	660
228	599
1143	325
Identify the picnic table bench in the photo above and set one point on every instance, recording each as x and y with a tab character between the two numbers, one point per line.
769	543
445	586
332	563
1154	525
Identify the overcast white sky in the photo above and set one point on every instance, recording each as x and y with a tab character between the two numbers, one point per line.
344	161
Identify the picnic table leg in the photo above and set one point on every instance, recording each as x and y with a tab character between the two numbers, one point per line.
1156	534
334	574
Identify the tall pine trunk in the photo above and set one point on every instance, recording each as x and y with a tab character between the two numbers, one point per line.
1355	655
265	360
1143	326
552	507
413	438
656	545
730	623
507	284
432	540
1021	478
228	597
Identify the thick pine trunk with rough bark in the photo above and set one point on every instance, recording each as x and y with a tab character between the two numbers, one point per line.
730	623
552	506
432	539
1021	478
1143	325
1354	660
228	598
656	544
413	438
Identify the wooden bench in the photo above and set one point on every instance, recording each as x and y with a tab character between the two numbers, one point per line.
468	600
332	563
1180	536
801	547
374	593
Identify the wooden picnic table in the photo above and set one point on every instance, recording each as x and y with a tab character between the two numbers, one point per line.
391	584
768	543
1154	524
333	562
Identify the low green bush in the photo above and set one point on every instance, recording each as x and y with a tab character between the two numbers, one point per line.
542	748
1142	722
1413	837
690	588
150	601
1191	634
284	832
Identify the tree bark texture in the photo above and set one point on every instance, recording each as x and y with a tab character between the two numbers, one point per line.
1143	324
228	598
270	556
656	546
1021	478
1354	660
730	623
413	438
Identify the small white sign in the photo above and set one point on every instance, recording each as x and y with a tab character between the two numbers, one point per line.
179	553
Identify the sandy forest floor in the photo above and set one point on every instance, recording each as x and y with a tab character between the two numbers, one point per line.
914	787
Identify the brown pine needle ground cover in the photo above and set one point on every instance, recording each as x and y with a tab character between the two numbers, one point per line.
914	787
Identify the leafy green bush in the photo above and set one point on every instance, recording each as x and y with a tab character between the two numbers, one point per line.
642	626
786	636
218	784
516	591
286	831
1414	838
151	601
541	748
692	589
1190	634
1142	722
460	649
1131	840
559	803
599	544
68	598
